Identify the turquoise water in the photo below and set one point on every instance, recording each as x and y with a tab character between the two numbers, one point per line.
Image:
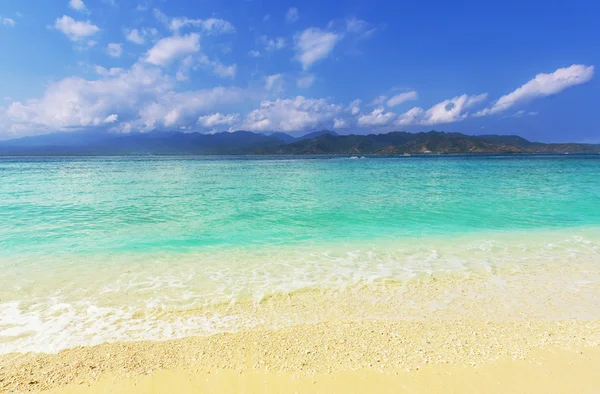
129	205
94	241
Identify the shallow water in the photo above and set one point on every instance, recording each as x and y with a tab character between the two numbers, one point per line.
107	249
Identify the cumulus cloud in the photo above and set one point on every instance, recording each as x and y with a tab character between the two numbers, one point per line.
135	36
292	15
339	123
114	50
377	118
400	98
210	26
140	98
542	85
111	118
298	114
108	72
139	36
8	22
169	49
219	68
75	102
305	81
448	111
77	5
314	44
75	30
254	53
218	119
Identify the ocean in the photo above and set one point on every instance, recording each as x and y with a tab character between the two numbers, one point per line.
107	249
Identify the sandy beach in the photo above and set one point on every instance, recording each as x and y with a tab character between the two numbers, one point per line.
453	356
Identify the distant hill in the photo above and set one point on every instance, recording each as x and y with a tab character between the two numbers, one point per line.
156	143
316	134
246	142
283	137
424	142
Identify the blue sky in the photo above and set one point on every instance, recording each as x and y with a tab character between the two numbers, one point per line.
355	66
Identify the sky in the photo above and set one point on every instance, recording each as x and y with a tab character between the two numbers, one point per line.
354	66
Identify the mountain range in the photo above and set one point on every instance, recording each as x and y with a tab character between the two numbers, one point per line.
277	143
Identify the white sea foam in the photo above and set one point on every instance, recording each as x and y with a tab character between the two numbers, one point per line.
69	300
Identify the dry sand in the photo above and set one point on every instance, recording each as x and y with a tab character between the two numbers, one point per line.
368	356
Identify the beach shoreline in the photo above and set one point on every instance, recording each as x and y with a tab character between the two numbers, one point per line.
368	352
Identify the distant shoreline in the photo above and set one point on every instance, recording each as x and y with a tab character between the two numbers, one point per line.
319	155
242	143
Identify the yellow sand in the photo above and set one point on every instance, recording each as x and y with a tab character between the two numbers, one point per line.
554	372
367	356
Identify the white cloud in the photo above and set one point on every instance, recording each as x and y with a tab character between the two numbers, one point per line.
354	25
140	98
339	123
377	118
219	68
448	111
298	114
135	36
355	107
314	44
542	85
176	109
401	98
218	119
161	17
211	26
274	83
306	81
114	50
75	30
75	102
111	118
360	28
292	15
8	22
273	44
184	69
171	48
77	5
104	72
520	113
224	71
254	53
379	100
139	36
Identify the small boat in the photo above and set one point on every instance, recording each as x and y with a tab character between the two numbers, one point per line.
354	157
407	154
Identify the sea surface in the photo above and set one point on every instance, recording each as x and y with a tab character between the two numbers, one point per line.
130	248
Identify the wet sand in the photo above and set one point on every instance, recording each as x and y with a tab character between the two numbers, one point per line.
367	356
